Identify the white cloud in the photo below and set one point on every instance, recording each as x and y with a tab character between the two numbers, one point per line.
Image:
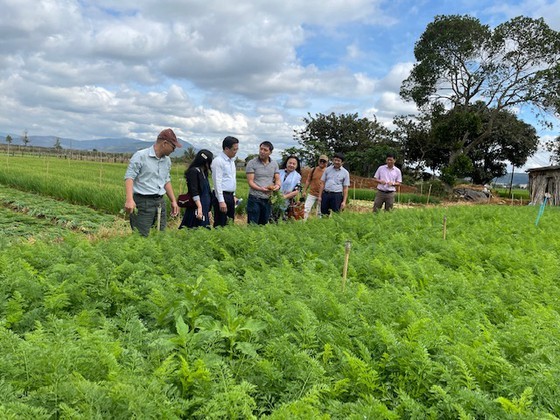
85	69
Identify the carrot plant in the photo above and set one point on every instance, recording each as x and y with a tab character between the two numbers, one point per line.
252	321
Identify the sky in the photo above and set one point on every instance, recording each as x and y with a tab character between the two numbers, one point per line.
253	69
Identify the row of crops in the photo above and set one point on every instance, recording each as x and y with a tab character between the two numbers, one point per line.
190	327
253	322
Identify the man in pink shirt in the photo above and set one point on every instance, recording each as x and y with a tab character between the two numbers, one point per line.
389	177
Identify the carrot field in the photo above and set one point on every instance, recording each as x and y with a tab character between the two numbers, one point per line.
446	312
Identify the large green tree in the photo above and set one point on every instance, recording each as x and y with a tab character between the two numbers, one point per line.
431	143
461	62
363	141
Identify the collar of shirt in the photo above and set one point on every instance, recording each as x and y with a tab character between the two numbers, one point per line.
226	157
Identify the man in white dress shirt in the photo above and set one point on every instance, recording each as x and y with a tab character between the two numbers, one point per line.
225	183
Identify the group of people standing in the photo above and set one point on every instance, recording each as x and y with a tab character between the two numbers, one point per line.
147	180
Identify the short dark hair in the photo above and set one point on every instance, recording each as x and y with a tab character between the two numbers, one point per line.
228	142
267	144
339	155
390	155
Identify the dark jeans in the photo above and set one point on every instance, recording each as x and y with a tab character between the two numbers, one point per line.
147	213
330	201
221	219
258	210
387	197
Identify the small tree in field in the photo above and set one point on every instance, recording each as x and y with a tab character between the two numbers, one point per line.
189	154
25	138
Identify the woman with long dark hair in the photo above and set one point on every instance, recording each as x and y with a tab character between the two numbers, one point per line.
199	188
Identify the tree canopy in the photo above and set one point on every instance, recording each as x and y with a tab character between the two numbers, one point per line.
461	61
430	141
466	78
364	142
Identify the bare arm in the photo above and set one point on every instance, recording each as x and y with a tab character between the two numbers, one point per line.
169	191
129	204
321	188
344	197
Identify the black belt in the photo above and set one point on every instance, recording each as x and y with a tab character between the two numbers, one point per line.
332	192
229	192
152	196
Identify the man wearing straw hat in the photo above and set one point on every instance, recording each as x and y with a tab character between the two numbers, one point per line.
147	179
388	178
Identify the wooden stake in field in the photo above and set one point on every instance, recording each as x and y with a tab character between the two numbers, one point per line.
159	217
347	247
429	192
444	227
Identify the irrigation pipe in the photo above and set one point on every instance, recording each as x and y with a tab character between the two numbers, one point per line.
541	210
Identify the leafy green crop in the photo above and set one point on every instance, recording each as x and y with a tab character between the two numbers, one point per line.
57	212
251	321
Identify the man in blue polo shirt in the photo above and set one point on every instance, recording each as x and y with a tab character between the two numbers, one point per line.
147	179
335	181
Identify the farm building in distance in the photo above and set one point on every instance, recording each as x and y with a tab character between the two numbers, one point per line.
544	180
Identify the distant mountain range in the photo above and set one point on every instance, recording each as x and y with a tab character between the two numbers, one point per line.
518	179
107	145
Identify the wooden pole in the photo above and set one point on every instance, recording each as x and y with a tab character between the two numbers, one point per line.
444	227
511	179
347	247
159	218
429	192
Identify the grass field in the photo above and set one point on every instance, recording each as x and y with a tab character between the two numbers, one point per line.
516	193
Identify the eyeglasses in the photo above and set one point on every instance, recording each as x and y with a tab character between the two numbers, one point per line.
322	161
